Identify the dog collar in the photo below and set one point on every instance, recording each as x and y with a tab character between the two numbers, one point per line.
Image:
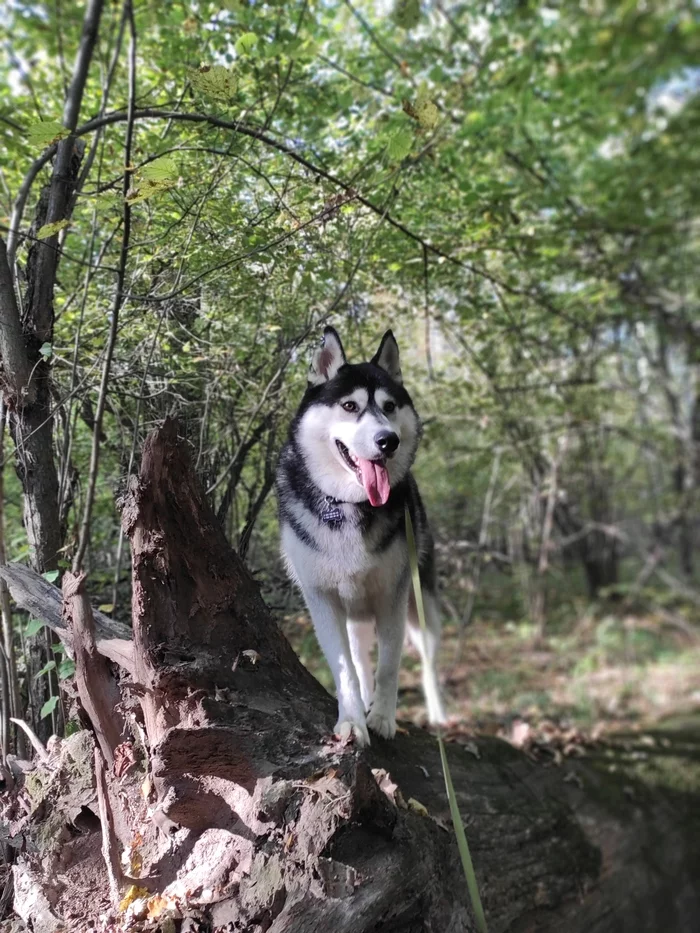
331	514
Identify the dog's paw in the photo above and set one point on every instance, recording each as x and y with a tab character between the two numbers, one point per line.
347	730
381	722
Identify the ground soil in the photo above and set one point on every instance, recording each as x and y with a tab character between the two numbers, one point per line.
605	674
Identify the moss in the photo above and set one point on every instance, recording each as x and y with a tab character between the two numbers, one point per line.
48	834
637	769
36	784
77	757
670	774
266	880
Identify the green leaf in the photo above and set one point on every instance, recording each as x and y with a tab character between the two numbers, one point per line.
155	177
106	607
215	81
46	350
66	669
33	626
146	190
246	44
160	169
50	229
49	666
48	707
399	145
299	49
427	113
406	13
51	576
46	133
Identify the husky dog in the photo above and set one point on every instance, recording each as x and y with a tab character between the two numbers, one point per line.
343	482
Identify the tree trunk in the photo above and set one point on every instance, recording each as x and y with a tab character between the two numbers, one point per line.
31	427
31	419
25	348
13	705
259	819
600	562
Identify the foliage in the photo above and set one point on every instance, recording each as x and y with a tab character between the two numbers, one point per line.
513	186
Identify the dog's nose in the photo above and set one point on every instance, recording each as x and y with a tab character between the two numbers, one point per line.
387	442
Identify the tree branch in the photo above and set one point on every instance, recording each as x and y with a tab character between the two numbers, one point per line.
13	353
375	39
154	113
118	301
60	190
96	685
44	601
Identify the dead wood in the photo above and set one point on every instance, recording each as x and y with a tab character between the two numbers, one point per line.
259	819
44	601
34	739
97	687
110	844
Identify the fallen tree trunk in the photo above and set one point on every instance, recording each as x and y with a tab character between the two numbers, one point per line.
44	601
236	806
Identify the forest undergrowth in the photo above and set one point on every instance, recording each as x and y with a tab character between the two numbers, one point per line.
600	674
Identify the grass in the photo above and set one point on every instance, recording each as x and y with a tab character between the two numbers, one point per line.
632	671
461	836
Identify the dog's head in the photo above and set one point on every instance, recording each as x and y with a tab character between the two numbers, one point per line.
357	428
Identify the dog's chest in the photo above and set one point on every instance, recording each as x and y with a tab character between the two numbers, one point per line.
343	557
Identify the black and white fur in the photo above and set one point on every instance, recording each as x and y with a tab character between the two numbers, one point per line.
350	558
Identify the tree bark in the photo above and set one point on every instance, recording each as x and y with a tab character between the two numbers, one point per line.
13	357
97	688
13	706
261	820
31	428
600	562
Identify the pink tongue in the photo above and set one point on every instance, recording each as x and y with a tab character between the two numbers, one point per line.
375	479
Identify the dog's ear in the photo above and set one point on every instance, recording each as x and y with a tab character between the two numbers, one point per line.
387	357
327	359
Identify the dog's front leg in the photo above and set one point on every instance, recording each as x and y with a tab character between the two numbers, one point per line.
391	626
330	624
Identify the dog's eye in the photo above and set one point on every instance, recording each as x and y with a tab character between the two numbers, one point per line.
389	407
350	406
